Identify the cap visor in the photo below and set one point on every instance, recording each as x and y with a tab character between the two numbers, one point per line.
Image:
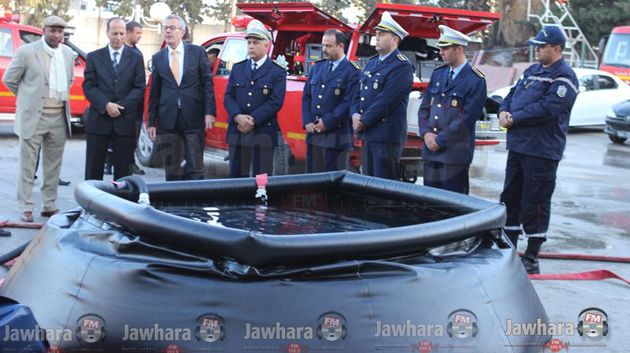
536	42
256	36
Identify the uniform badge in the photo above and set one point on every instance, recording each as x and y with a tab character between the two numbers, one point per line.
454	103
265	91
375	85
562	91
337	91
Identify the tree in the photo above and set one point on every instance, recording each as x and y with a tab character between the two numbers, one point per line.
335	8
597	18
192	11
34	11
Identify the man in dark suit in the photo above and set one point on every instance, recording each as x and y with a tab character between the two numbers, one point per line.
181	102
114	84
326	100
134	33
254	95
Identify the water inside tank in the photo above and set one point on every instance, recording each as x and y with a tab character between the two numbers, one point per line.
308	212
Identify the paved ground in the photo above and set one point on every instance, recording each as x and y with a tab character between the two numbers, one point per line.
591	214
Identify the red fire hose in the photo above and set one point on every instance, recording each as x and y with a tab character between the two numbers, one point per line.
595	275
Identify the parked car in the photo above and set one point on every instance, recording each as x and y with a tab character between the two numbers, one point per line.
599	90
618	122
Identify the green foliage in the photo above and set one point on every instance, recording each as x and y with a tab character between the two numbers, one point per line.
597	18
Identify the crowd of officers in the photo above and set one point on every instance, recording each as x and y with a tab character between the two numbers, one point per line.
341	101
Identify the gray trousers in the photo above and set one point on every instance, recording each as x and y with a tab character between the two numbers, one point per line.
50	135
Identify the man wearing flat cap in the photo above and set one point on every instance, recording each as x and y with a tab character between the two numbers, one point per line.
254	95
379	109
40	75
181	102
450	107
536	113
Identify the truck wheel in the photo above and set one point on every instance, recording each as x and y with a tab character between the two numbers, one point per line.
146	151
616	139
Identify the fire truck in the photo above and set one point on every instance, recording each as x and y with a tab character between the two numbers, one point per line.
616	58
297	30
12	36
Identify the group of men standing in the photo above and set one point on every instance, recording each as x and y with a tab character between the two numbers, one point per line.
340	101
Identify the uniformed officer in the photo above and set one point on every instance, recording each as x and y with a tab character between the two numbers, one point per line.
379	109
254	95
326	103
536	113
450	107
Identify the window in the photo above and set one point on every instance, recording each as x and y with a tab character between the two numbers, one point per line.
606	82
6	42
617	51
587	82
233	51
29	37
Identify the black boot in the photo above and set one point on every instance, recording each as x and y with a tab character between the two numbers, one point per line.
530	258
513	236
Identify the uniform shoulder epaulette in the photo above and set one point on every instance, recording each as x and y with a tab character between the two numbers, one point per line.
355	64
320	60
478	72
402	57
278	65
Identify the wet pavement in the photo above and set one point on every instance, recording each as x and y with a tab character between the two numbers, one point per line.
590	215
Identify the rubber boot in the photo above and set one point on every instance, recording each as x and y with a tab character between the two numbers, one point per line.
513	236
530	258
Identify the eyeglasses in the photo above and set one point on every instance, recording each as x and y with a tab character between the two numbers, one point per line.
170	28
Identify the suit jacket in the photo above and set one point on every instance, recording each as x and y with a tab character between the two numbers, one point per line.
140	109
195	92
102	85
259	94
451	111
382	98
27	78
328	97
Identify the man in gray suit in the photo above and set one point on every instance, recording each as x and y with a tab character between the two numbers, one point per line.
40	75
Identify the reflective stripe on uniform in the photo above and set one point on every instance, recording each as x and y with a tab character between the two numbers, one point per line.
512	227
568	82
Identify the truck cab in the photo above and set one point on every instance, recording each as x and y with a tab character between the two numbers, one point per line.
297	30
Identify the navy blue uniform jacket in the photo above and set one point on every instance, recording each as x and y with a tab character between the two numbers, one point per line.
451	111
328	97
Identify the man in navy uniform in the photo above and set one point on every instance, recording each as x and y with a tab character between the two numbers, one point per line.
536	113
379	109
254	95
450	107
326	103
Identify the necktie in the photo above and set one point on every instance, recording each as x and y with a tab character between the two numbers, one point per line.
115	61
330	68
254	67
450	77
175	66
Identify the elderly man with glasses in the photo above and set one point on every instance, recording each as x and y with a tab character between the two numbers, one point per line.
181	102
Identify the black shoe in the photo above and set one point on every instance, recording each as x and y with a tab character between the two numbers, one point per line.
63	182
530	258
513	236
137	170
